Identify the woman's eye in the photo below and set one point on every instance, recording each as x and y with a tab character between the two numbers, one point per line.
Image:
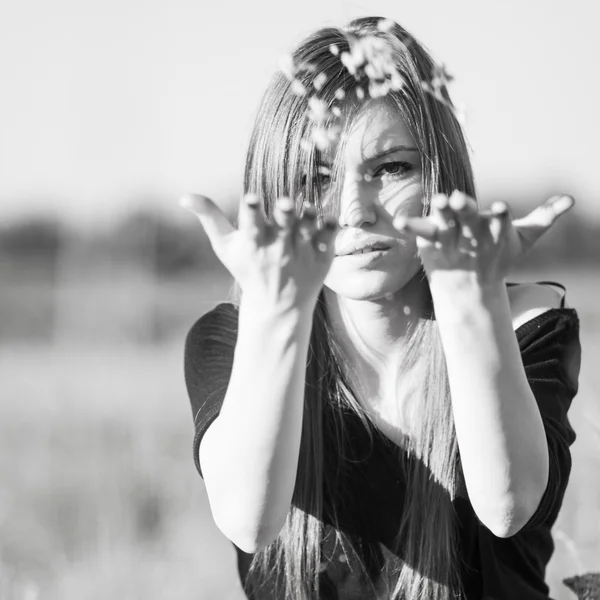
393	168
323	176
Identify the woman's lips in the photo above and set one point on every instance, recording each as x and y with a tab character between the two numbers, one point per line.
367	255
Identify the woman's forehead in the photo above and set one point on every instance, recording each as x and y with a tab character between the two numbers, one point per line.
377	127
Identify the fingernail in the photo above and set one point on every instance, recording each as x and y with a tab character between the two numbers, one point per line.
187	202
440	201
400	222
309	212
499	208
564	203
285	203
458	201
251	199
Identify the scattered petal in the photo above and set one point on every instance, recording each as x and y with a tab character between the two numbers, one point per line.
319	81
321	138
406	310
396	81
286	65
298	88
385	25
367	177
318	111
337	111
334	49
360	93
340	94
348	62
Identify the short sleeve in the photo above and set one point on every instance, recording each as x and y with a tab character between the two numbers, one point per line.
551	354
208	359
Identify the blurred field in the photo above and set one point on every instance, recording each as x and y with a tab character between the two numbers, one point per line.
99	496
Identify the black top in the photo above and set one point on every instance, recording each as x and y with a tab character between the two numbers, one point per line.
492	568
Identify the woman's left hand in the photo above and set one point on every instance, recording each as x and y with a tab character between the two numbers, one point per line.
457	239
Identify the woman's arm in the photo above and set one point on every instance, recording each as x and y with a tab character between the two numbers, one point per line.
249	454
501	437
500	432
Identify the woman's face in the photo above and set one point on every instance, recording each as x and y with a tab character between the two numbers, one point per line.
381	180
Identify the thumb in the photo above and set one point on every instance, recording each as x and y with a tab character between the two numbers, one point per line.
212	218
532	226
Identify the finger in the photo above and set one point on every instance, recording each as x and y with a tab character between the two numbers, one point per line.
422	227
212	218
307	224
500	221
324	237
532	226
250	217
443	216
284	214
467	213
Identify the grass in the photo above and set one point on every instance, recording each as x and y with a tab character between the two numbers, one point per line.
100	498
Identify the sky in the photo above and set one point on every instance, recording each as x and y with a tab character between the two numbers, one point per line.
107	105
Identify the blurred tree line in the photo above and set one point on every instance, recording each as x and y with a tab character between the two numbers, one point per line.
169	247
149	275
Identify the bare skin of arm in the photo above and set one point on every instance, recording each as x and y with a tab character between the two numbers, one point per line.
249	455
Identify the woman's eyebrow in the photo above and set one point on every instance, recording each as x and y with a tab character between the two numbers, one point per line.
400	148
391	150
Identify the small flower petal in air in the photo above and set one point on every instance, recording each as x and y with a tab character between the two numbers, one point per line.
321	138
334	49
360	93
337	111
318	111
367	177
286	65
348	62
340	94
396	81
460	112
385	25
377	90
298	88
319	81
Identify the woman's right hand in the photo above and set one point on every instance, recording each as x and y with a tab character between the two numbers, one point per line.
284	261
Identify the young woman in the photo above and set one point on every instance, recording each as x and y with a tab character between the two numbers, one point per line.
379	414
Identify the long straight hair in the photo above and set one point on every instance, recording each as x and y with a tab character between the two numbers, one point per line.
279	163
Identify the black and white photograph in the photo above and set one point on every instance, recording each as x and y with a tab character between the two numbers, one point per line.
299	301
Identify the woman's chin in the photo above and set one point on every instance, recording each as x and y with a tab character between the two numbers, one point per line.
371	284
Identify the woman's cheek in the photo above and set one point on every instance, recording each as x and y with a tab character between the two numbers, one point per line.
404	200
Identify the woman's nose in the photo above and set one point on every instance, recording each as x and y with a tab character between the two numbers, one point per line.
355	208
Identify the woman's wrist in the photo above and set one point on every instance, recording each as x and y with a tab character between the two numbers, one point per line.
265	309
460	297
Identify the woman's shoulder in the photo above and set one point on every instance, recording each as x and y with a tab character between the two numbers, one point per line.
532	303
219	324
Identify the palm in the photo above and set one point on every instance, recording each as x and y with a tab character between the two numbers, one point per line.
457	236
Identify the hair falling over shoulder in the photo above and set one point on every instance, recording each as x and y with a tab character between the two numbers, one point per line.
280	163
